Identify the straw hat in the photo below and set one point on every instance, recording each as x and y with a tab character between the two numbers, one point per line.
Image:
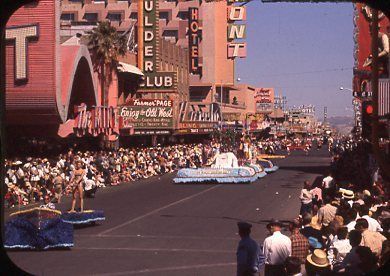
318	258
366	193
348	194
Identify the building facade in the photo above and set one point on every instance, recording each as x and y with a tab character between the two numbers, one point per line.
188	72
52	89
207	36
362	68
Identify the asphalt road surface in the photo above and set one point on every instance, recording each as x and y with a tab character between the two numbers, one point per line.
155	227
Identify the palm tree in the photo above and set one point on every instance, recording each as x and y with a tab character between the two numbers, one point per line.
106	45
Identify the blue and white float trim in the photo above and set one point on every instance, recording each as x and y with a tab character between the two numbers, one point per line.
19	246
219	175
85	217
272	169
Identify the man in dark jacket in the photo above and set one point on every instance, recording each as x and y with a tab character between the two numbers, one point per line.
247	252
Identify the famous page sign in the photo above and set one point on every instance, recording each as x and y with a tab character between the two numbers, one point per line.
147	114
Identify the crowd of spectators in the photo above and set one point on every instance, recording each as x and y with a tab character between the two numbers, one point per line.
341	230
31	179
353	161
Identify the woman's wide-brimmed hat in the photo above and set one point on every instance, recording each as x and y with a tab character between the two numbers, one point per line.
318	258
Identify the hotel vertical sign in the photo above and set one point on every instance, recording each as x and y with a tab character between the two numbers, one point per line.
155	80
193	40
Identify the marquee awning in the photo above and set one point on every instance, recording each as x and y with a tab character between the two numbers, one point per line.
128	68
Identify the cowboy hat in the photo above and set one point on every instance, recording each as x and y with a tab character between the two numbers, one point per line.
318	258
274	222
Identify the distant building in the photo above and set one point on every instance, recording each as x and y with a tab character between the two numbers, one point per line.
302	119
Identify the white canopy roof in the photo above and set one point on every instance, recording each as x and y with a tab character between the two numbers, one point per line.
128	68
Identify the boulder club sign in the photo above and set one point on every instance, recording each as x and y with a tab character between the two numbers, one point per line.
155	80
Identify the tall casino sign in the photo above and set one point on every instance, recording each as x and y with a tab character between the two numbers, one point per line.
155	80
193	40
362	49
236	30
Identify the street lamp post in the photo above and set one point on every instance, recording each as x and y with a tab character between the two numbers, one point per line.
221	106
342	88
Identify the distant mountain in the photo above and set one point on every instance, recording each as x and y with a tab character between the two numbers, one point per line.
341	120
343	124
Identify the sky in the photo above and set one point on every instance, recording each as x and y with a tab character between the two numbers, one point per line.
304	51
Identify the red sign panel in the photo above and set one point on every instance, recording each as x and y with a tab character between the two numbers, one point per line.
264	98
97	120
31	63
362	55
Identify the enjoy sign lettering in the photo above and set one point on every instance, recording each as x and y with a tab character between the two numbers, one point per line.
148	113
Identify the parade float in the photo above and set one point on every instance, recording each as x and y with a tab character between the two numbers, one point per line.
268	166
225	169
37	228
43	228
83	218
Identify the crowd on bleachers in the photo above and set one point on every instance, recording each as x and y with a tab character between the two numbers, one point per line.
342	228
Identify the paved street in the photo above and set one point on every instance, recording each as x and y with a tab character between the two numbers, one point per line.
155	227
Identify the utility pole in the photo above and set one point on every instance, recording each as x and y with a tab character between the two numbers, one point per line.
325	115
385	168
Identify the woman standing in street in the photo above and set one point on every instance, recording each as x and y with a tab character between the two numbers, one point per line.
306	198
77	181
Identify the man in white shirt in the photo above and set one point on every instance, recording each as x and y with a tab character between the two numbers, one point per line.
276	249
327	184
352	216
373	224
340	246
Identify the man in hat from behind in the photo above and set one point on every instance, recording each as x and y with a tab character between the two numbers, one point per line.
317	263
247	252
276	249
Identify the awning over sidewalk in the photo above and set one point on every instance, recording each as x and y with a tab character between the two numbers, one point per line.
128	68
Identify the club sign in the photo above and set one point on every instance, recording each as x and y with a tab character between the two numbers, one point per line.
155	80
